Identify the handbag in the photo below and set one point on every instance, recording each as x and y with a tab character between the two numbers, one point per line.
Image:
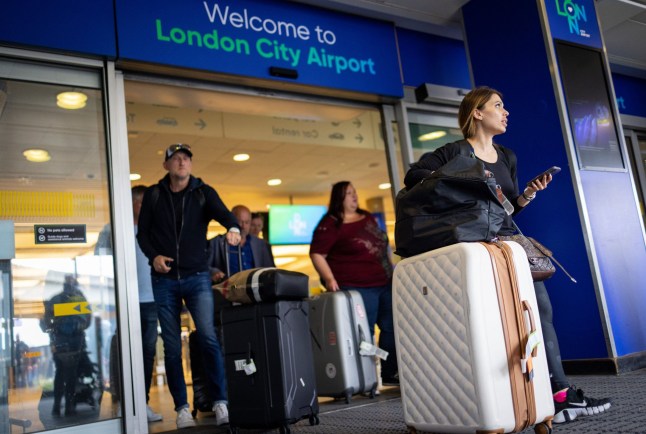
258	285
540	257
537	254
456	203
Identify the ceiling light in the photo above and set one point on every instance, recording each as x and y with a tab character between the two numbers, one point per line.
274	182
71	100
384	186
241	157
431	136
135	177
37	155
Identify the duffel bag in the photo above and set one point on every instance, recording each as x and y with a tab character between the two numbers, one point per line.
264	284
457	203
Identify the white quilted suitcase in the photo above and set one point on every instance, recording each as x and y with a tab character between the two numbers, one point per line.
452	344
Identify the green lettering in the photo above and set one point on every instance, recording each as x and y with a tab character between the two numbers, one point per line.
160	36
211	40
313	57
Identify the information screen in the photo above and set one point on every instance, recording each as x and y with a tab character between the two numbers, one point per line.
591	115
293	224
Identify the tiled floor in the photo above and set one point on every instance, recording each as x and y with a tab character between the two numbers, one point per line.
385	414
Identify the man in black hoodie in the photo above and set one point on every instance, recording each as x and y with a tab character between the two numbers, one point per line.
172	230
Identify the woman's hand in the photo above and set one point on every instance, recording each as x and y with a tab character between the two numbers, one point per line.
538	185
331	285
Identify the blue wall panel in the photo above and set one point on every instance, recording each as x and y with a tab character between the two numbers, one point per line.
432	59
612	217
509	54
631	95
68	26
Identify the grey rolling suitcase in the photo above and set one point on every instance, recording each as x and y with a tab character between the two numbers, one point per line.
339	325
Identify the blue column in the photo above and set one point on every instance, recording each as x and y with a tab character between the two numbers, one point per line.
588	216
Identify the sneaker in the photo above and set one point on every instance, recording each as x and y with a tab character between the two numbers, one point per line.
573	403
185	419
152	416
221	414
391	381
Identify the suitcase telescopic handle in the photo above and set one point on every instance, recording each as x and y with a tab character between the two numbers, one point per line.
532	323
226	256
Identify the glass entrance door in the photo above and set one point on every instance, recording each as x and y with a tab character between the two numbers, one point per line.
57	297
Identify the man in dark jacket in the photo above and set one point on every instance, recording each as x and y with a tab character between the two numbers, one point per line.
173	223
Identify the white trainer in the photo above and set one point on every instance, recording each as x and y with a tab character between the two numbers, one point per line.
185	419
152	416
221	414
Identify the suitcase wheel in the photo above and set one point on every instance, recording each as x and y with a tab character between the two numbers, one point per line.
233	430
542	428
348	397
314	419
285	429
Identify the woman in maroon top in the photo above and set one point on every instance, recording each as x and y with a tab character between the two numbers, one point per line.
350	251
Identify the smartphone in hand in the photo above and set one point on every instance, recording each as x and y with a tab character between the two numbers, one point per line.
551	171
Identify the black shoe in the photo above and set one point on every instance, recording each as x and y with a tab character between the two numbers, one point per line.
391	381
576	404
56	410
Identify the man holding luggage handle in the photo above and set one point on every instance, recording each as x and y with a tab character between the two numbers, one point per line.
255	251
173	223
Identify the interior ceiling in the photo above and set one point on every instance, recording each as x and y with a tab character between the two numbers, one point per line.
309	146
623	22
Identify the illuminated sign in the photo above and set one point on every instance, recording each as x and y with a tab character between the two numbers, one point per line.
574	21
253	38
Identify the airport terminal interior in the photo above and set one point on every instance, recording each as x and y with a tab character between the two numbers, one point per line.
276	152
313	145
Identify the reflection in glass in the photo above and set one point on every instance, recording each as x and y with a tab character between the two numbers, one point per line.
58	299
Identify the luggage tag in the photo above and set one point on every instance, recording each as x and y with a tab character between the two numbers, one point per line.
367	349
246	365
527	363
509	208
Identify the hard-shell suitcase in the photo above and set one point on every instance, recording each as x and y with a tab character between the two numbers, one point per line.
339	325
466	330
269	366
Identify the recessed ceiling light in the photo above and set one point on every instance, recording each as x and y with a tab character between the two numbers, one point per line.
384	186
431	136
274	182
37	155
71	100
241	157
135	177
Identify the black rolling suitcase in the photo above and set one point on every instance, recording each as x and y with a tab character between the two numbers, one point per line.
269	365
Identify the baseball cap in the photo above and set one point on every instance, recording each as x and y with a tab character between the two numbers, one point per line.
177	147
